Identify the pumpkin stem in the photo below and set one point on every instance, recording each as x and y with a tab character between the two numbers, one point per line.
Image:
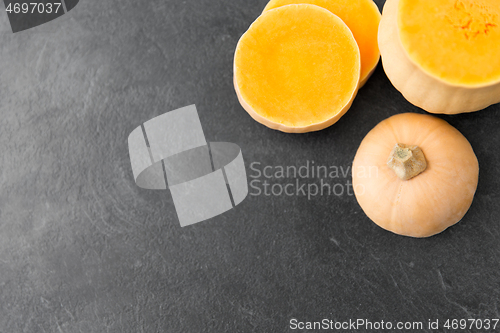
407	161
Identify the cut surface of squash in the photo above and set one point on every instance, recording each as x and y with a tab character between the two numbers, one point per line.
439	182
457	41
297	68
361	16
422	88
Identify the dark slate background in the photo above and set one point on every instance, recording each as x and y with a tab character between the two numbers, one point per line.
83	249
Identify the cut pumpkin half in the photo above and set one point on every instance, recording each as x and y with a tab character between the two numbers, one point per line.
443	55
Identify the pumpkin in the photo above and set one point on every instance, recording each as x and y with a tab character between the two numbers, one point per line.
297	68
443	55
415	175
361	16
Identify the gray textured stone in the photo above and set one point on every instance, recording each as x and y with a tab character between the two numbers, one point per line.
83	249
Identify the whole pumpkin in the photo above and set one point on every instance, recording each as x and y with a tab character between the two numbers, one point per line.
415	175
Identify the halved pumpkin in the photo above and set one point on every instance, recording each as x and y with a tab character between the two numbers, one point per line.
361	16
297	68
443	55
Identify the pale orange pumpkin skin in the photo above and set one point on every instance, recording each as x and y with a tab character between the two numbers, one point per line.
433	200
417	86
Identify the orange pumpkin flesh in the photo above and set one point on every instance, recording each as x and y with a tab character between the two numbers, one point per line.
436	77
361	16
297	68
457	41
429	202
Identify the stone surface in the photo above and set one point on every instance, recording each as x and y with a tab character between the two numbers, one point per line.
83	249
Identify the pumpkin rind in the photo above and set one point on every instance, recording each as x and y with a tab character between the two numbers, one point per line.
418	87
361	16
297	68
431	201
